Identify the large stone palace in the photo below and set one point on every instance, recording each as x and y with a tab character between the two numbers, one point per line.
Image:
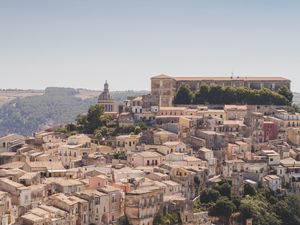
164	87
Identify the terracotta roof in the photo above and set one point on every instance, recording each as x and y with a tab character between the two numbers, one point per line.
32	217
173	143
55	165
12	165
149	154
11	183
63	198
144	190
173	108
207	78
222	78
29	175
161	76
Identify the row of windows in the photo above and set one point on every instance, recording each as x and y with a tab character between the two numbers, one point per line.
66	154
293	124
154	162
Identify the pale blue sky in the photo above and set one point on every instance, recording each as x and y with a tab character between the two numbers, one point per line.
82	43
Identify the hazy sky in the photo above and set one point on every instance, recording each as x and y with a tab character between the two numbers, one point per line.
82	43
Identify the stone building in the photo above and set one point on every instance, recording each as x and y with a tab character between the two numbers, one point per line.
164	87
116	202
99	209
293	135
19	194
6	214
11	142
142	204
106	100
77	208
146	158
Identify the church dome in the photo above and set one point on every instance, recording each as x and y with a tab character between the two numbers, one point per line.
105	95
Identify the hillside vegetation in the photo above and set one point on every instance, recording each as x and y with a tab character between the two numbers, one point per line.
215	94
57	105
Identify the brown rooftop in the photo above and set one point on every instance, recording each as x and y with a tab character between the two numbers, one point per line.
231	78
222	78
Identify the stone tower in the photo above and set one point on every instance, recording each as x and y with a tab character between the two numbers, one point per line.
106	99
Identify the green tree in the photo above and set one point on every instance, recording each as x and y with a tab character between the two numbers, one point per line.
201	96
246	210
184	95
137	130
223	209
169	218
286	92
224	189
294	108
249	190
127	129
93	118
209	195
105	119
259	209
285	213
229	95
120	155
81	122
215	95
98	135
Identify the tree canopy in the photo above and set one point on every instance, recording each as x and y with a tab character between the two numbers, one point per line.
223	209
184	95
216	94
209	196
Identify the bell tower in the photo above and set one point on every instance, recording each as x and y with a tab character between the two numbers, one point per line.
106	99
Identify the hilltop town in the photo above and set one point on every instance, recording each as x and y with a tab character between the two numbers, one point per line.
195	151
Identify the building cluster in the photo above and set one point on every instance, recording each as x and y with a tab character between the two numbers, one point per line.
51	179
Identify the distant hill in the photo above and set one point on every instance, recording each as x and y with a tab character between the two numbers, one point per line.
296	98
29	111
8	95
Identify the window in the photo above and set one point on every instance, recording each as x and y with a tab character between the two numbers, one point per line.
114	198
